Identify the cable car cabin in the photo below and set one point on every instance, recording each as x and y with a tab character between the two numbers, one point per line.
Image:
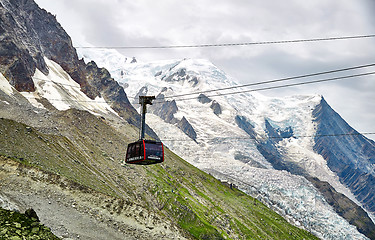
145	152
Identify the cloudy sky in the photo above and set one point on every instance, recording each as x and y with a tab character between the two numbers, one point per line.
175	22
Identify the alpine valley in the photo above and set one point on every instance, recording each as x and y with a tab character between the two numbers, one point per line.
238	164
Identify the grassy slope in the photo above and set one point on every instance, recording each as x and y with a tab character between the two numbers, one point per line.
197	199
91	156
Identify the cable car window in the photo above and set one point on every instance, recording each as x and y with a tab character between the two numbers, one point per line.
145	152
154	151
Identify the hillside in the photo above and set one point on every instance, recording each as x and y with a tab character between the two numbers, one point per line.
138	200
64	128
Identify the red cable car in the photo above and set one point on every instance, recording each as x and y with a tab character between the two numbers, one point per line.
144	152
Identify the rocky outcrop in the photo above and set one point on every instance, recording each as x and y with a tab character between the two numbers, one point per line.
166	110
181	76
215	106
134	60
186	127
28	34
203	98
245	125
19	55
57	46
142	92
351	157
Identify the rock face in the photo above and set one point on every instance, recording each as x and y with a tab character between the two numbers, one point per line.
28	34
182	76
203	98
186	127
245	125
215	106
351	157
105	86
166	110
19	56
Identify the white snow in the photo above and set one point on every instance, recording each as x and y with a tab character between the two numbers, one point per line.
63	92
222	147
5	86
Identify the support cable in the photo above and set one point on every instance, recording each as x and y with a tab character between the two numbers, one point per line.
231	44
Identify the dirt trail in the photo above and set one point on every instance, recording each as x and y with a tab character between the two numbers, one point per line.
74	214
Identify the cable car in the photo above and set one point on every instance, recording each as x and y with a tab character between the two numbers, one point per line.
145	152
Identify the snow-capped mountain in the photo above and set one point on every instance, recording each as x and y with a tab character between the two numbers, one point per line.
71	119
267	146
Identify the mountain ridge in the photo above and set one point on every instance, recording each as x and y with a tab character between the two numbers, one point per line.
63	137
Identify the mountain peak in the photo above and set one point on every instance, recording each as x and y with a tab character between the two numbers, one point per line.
287	152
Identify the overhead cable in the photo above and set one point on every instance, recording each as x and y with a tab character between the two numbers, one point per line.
276	87
275	80
240	86
232	44
236	92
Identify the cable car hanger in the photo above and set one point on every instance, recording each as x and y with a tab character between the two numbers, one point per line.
144	152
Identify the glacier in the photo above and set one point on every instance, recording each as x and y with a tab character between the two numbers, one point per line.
229	128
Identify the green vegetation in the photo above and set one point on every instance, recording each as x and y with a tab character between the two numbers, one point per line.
204	206
17	226
89	153
56	154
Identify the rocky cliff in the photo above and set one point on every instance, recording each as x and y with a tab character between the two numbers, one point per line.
351	157
30	34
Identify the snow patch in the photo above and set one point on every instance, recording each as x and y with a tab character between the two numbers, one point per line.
63	92
5	85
